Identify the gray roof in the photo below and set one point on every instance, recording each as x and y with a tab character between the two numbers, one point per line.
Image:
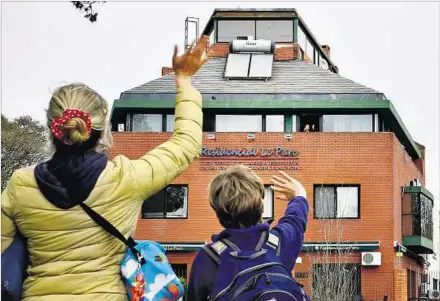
288	77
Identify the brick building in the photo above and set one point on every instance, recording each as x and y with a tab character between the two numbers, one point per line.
273	99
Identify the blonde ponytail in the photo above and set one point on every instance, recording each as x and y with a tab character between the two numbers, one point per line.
75	130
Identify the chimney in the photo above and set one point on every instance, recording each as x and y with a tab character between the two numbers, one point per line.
167	70
219	50
326	49
287	52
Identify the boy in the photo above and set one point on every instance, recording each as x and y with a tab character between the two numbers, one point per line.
236	195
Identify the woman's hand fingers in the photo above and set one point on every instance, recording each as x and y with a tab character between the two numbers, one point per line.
201	46
191	61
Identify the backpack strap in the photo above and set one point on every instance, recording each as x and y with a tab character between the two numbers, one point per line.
262	241
273	241
215	250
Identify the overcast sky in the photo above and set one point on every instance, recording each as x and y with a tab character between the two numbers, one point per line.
391	47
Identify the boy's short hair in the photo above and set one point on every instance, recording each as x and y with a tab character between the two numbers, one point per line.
236	195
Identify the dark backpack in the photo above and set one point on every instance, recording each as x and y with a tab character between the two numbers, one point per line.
256	275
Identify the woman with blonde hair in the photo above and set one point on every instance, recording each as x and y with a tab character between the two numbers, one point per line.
71	257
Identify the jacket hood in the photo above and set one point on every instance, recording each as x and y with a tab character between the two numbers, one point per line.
67	181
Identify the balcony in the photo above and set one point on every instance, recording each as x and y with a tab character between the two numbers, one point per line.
417	219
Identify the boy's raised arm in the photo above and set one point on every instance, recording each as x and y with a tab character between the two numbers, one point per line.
293	224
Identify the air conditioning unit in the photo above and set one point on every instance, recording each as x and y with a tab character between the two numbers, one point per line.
371	258
121	127
251	136
434	294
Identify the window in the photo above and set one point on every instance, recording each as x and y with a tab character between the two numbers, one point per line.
435	284
294	123
411	284
170	123
147	123
268	202
275	123
275	30
417	215
376	123
171	202
181	272
310	50
309	123
229	30
238	123
332	201
347	123
302	39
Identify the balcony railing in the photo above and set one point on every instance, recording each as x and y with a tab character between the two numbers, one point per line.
417	220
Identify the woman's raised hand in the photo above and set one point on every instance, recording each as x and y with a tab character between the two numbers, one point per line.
287	186
188	63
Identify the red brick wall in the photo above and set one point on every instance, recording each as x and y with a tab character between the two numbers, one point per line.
374	160
167	70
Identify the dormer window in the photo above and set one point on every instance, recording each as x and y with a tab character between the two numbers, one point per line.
280	31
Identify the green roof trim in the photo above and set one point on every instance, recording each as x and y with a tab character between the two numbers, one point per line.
419	189
383	107
256	104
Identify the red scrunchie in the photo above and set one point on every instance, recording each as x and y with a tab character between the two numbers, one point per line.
57	125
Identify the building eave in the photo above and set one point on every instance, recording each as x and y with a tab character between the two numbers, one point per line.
370	106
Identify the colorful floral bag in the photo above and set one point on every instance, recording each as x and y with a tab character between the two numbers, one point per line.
145	269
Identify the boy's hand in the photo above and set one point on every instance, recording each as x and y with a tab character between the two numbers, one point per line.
186	65
287	186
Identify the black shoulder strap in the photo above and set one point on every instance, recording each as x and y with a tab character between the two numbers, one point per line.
109	228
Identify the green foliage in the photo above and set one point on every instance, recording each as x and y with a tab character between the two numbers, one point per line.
88	8
24	143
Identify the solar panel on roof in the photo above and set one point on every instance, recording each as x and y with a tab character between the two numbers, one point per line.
237	65
261	66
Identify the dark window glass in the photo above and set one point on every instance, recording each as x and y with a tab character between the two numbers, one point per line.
421	212
309	123
171	202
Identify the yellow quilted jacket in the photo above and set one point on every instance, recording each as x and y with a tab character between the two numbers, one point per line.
72	258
